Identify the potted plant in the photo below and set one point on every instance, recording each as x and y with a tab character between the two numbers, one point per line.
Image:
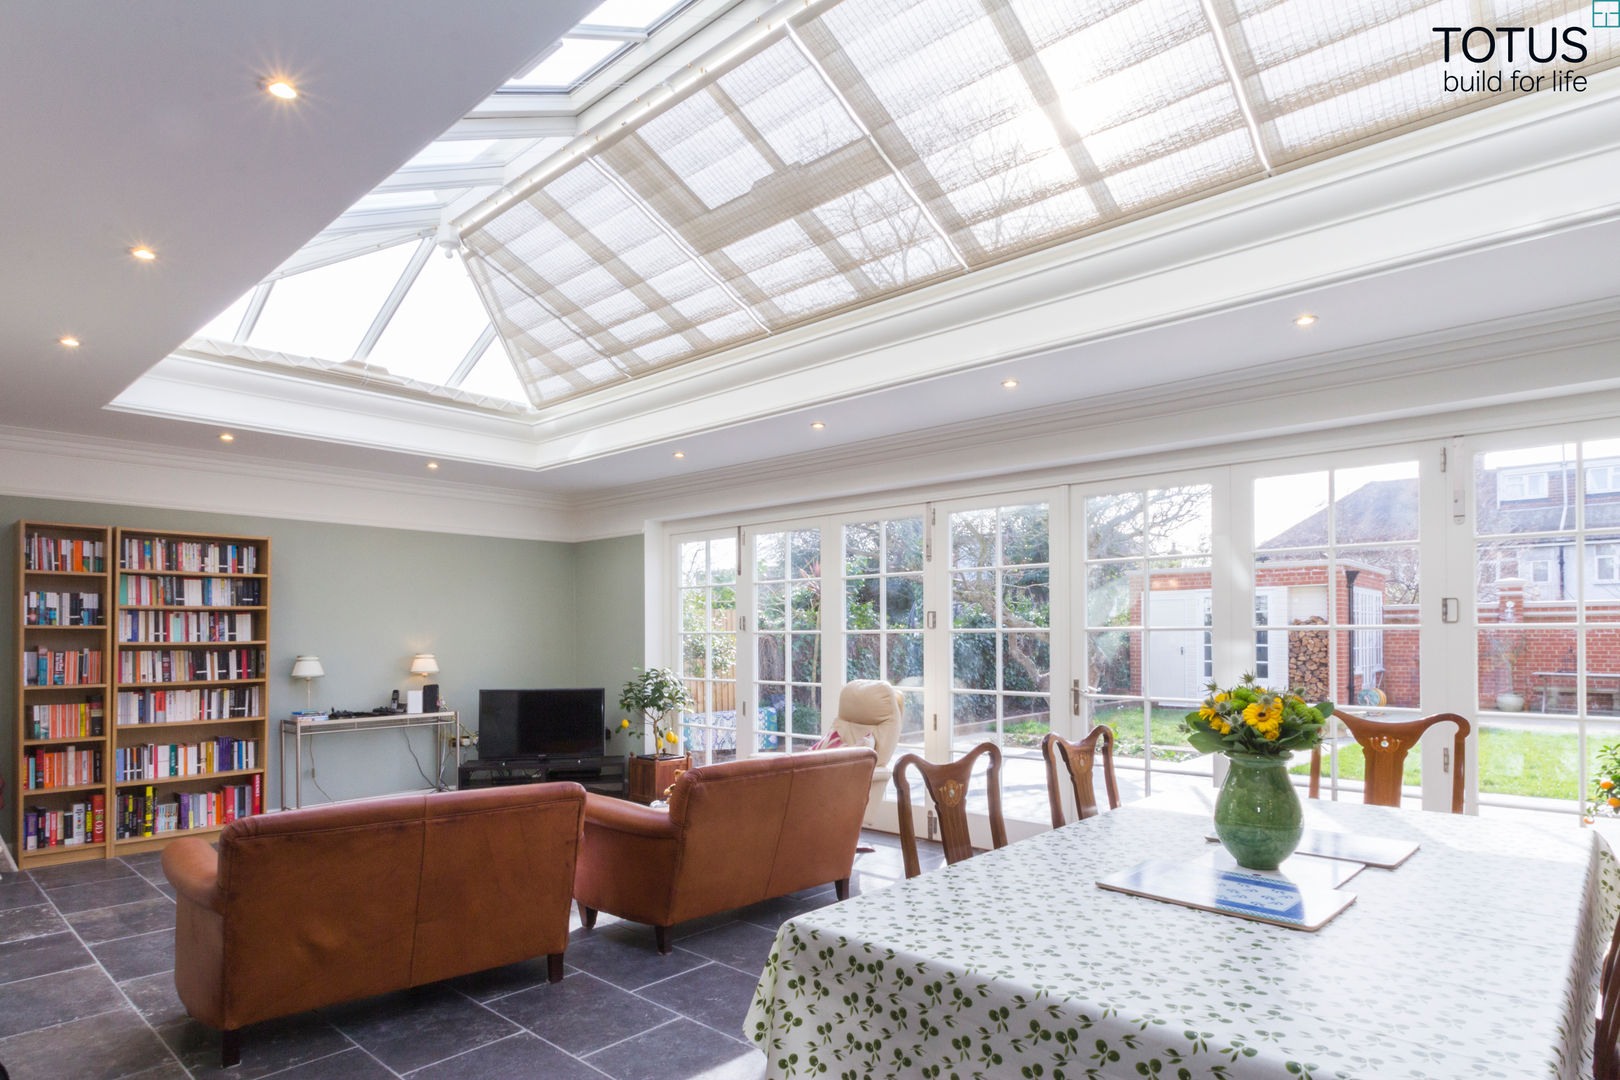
1509	650
1257	813
657	696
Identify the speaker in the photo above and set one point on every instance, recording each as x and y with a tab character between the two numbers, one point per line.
430	697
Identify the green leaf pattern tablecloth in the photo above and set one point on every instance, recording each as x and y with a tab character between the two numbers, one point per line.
1477	958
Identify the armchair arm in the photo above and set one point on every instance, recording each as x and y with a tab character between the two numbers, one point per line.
192	867
604	812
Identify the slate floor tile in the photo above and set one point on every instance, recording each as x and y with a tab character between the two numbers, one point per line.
582	1013
35	920
148	864
352	1064
155	998
125	920
267	1048
680	1049
714	994
105	1047
496	982
743	945
132	957
628	959
55	999
51	878
16	892
413	1028
40	956
520	1057
98	894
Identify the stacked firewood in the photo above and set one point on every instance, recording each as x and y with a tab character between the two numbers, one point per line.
1308	659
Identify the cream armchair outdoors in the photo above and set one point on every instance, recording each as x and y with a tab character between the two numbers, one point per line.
870	707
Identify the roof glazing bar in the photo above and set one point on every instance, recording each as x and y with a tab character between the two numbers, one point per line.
464	368
407	278
250	317
854	117
1236	80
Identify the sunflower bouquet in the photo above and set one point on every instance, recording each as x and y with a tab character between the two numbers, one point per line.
1251	719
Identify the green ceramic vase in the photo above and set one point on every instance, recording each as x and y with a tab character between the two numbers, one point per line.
1257	815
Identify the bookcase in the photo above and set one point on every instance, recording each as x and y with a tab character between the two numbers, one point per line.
63	663
142	687
190	689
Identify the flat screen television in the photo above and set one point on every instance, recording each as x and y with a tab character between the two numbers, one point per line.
517	724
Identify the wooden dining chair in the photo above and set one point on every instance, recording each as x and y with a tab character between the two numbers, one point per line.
1384	745
947	788
1606	1042
1080	758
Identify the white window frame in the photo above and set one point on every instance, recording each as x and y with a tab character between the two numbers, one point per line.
1521	485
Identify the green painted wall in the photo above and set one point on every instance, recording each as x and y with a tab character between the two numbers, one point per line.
495	612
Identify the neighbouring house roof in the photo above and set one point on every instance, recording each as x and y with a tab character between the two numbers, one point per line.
1363	516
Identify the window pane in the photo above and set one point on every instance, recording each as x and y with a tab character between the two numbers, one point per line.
905	659
806	658
1109	655
973	660
861	655
903	602
862	544
805	551
1180	520
1125	719
1026	662
570	62
723	561
861	603
1025	598
694	562
1026	720
1376	585
973	599
1602	567
1602	483
1109	589
1114	526
973	538
723	608
807	606
770	553
1528	490
1377	503
1527	669
1535	758
723	662
694	657
807	710
1025	535
493	376
772	601
437	322
903	545
973	719
324	313
694	609
223	327
772	657
1291	511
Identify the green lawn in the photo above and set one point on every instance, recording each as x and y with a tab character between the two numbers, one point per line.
1532	763
1169	736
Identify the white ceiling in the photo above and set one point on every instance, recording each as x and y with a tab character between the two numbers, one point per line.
147	126
145	123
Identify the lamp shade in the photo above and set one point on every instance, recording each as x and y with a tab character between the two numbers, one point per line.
308	667
424	664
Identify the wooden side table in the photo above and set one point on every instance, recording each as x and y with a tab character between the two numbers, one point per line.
651	777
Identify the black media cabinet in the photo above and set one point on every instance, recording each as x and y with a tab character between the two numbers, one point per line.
601	774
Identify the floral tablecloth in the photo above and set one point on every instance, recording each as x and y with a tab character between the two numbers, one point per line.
1476	958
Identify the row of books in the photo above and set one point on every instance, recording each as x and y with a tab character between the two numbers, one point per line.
61	608
140	813
189	592
189	626
82	823
185	665
175	706
71	667
58	553
188	556
66	767
64	720
159	762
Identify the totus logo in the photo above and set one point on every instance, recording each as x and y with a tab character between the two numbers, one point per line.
1606	14
1484	59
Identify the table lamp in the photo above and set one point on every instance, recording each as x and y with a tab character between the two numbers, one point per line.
424	664
427	698
308	668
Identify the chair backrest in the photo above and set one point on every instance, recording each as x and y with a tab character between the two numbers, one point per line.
1384	746
947	788
395	892
1079	758
769	825
1606	1041
869	707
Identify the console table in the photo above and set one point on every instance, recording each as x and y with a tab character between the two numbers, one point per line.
442	724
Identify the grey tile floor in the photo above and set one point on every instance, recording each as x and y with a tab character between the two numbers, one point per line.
87	993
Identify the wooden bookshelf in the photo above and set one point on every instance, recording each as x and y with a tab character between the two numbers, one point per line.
34	576
252	727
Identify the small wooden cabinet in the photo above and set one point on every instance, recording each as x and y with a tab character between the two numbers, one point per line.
650	777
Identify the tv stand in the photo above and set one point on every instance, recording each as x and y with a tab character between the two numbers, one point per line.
600	773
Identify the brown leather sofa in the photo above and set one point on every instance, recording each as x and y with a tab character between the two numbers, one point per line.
313	907
734	834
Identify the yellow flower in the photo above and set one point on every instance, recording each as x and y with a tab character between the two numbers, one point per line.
1219	725
1207	713
1220	697
1254	714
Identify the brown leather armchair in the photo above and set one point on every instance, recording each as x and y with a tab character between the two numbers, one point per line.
734	834
313	907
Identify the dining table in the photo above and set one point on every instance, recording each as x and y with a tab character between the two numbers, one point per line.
1475	958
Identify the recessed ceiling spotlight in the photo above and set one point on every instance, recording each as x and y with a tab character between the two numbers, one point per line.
679	454
817	425
145	254
226	436
68	341
1009	384
280	88
1305	320
433	464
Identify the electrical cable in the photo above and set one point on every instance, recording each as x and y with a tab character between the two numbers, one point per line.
312	779
418	760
